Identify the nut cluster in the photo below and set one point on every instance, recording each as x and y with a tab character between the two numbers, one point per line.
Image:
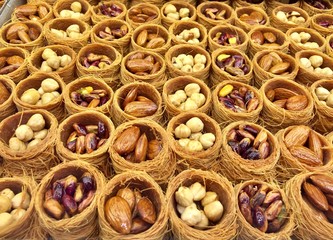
249	143
30	12
320	4
318	190
5	93
325	96
150	40
305	145
138	105
141	14
314	64
113	34
72	31
89	97
134	145
69	196
96	61
191	135
110	10
273	63
171	12
239	99
30	134
264	38
189	98
10	64
226	39
20	33
292	17
197	207
87	138
143	64
47	92
287	99
262	207
75	12
188	63
129	212
13	206
235	65
191	36
253	18
215	13
326	24
302	39
53	62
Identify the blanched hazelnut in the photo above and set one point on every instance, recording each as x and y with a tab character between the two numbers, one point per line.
177	63
175	100
182	131
329	100
190	105
199	99
180	208
187	68
188	60
184	196
322	93
194	146
192	88
170	8
41	134
204	221
30	96
181	95
16	144
47	53
209	197
198	191
207	140
66	13
184	12
65	60
195	124
198	67
200	58
45	67
214	211
33	143
24	133
305	62
49	85
195	136
53	62
47	97
183	142
76	7
191	215
36	122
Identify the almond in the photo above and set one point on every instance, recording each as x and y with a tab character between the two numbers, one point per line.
329	198
141	109
154	148
315	144
284	93
323	182
297	103
305	156
257	37
270	94
127	140
315	196
281	103
42	11
139	65
155	43
270	37
118	214
146	210
142	38
130	97
4	93
266	62
128	195
280	68
14	60
298	135
141	149
13	30
26	10
138	225
276	58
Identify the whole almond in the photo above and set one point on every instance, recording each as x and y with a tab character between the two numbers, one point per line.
276	58
142	38
315	196
270	94
323	182
297	103
118	214
257	37
139	65
315	144
42	11
146	210
130	97
266	62
156	68
12	32
298	135
154	148
14	60
127	140
270	37
305	156
155	43
5	94
281	103
26	9
141	109
280	68
284	93
138	225
141	149
128	195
